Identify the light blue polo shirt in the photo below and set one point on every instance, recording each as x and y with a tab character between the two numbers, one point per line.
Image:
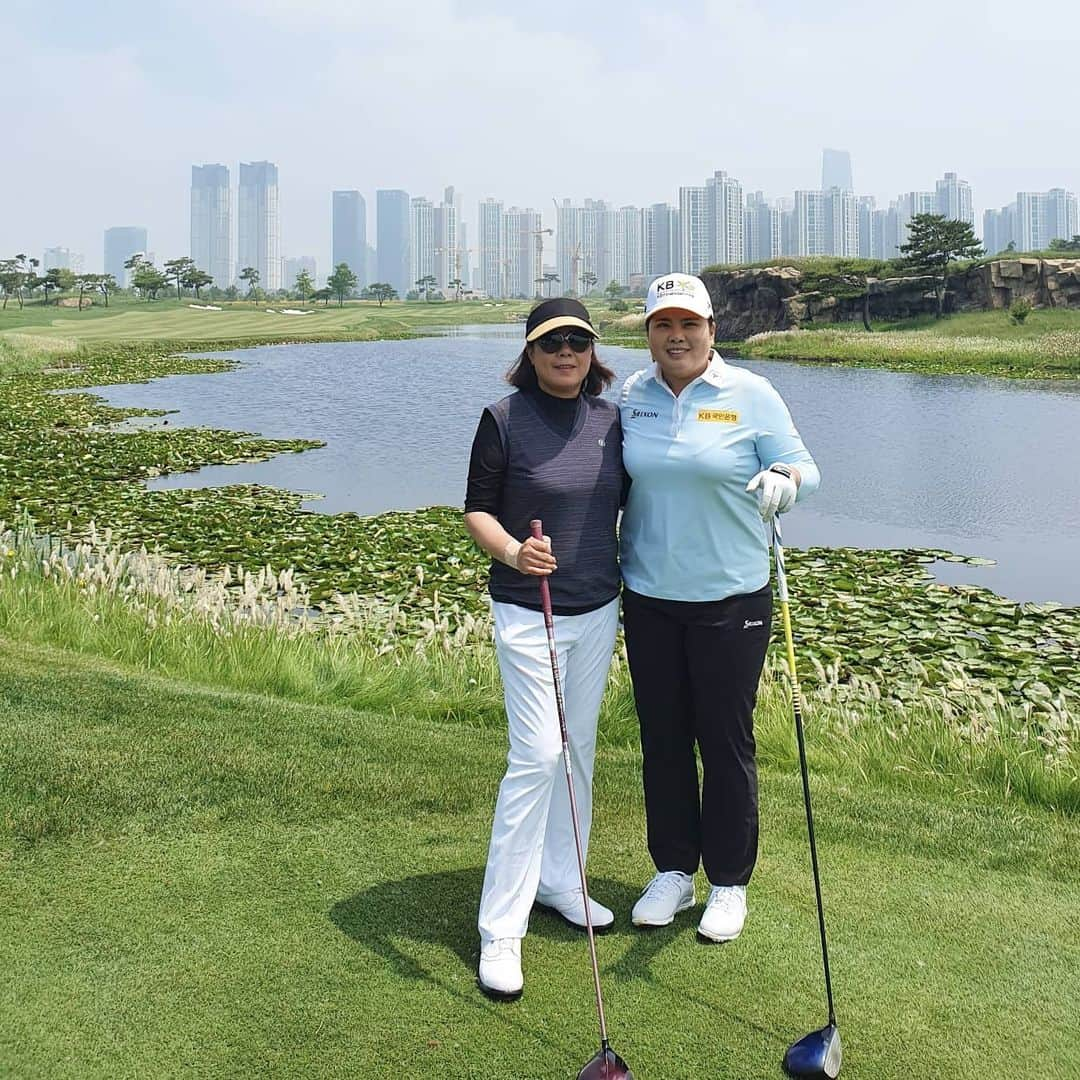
691	530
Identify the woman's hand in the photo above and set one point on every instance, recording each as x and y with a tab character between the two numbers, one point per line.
776	489
532	557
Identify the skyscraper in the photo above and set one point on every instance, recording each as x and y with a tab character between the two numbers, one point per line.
392	246
865	205
954	199
629	246
523	258
725	219
761	229
260	226
491	238
661	239
121	242
211	223
836	170
841	223
421	242
1061	215
908	205
694	239
348	213
291	267
808	223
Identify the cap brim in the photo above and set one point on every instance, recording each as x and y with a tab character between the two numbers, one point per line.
678	303
557	321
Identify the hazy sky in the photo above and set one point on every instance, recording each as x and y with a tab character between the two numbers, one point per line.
109	103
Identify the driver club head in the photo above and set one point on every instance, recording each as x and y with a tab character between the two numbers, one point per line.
607	1065
816	1055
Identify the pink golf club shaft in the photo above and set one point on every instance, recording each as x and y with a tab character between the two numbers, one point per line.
545	598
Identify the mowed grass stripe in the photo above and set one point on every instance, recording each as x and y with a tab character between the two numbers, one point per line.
249	886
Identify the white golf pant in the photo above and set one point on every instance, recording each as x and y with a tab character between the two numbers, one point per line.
532	837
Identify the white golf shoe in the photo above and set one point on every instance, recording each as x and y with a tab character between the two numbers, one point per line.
570	907
670	892
724	914
500	969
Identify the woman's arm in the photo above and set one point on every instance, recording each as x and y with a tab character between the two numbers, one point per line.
529	557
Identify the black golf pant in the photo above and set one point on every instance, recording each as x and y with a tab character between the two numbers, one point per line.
695	669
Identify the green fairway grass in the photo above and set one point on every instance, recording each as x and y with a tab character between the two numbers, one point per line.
1046	345
199	882
172	320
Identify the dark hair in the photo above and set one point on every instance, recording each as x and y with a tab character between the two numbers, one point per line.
522	374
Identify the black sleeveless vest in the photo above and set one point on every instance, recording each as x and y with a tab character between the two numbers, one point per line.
573	483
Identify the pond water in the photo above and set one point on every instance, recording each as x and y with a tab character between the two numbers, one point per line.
985	467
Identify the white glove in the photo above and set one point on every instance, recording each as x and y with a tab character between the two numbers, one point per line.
776	490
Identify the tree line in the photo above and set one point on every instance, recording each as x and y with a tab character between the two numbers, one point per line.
20	280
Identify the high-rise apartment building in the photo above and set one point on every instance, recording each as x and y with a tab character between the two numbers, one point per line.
808	223
422	243
724	197
584	245
629	246
761	229
491	248
291	267
1062	219
56	258
1031	232
448	253
836	170
121	242
841	223
211	223
660	240
885	236
864	209
348	226
908	205
1031	222
392	245
259	234
695	246
953	199
523	263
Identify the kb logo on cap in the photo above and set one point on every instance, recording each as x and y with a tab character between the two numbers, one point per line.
674	284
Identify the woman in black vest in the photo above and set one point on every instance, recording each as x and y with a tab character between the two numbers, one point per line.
551	450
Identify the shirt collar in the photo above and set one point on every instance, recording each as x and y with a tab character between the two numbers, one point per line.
713	374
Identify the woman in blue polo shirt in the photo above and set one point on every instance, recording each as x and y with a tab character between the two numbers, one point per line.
551	450
712	454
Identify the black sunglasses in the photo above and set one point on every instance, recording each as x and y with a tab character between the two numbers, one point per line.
578	340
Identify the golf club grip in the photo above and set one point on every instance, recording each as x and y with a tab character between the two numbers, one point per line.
536	527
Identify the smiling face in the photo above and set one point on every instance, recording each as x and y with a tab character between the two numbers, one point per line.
681	343
561	373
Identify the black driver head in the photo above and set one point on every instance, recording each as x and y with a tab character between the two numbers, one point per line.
816	1055
607	1065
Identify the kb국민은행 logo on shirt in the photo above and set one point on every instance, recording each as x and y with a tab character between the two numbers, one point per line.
718	416
647	414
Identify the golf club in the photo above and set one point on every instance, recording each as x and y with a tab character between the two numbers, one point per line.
818	1054
606	1064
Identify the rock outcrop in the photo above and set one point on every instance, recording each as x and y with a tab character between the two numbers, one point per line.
777	297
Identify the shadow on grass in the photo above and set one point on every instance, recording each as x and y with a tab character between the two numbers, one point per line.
439	910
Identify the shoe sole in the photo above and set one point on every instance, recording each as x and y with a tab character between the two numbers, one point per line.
498	995
657	925
606	928
707	939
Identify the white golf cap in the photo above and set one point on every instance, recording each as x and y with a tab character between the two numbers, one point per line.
682	291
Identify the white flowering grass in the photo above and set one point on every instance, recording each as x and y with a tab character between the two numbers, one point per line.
258	632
